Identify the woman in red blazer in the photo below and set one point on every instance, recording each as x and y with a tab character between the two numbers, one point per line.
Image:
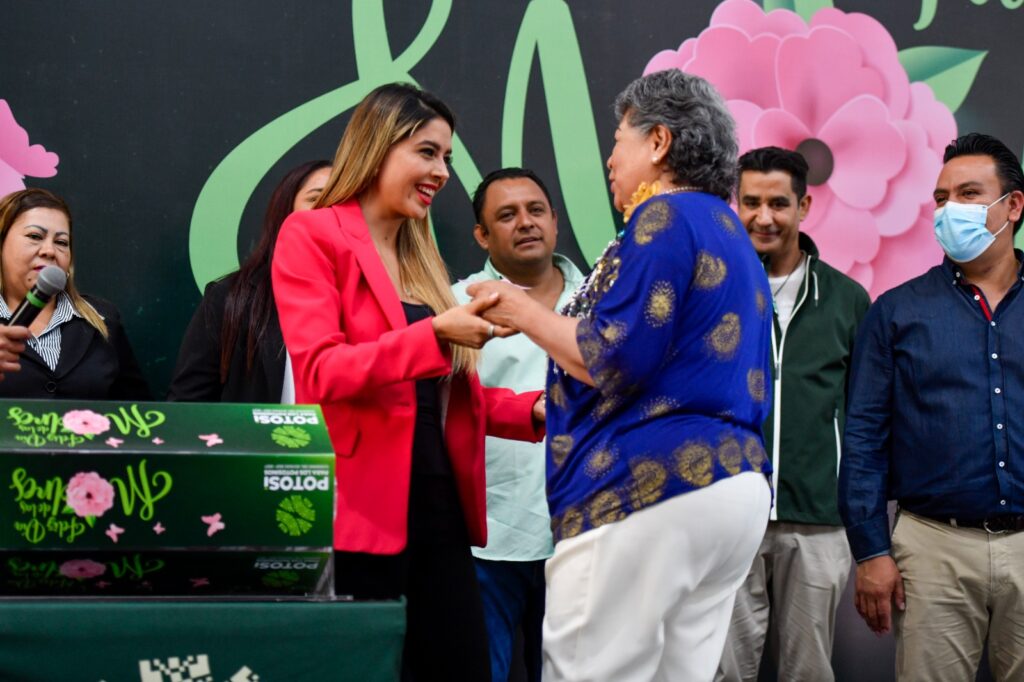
377	339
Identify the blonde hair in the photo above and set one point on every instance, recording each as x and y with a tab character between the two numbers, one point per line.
385	117
16	203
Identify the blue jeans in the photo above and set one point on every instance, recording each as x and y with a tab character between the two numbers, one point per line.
513	597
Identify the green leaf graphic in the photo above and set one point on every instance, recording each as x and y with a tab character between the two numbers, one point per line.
280	578
295	515
805	8
950	71
290	436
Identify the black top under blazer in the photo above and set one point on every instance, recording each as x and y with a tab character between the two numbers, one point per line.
197	375
89	368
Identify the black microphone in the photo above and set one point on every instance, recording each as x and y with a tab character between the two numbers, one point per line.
51	280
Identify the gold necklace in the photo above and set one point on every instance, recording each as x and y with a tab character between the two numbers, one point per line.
681	188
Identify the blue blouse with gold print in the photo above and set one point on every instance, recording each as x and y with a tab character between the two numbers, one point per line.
675	331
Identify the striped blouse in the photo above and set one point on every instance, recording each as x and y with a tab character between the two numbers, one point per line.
47	343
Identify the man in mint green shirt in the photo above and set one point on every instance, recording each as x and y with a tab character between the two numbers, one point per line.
517	226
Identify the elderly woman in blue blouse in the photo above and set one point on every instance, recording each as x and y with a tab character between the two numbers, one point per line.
656	395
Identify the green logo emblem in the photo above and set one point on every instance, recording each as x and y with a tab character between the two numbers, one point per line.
295	515
290	436
280	579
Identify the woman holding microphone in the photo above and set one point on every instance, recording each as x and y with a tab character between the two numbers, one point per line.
77	347
377	339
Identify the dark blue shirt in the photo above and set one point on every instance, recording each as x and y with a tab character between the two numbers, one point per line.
936	408
677	342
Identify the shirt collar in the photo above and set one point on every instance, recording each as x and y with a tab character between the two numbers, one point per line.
571	274
65	311
955	274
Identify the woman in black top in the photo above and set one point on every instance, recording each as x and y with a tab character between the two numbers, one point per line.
78	348
232	350
433	572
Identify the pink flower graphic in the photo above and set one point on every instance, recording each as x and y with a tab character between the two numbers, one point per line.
200	582
158	441
114	442
214	523
85	422
89	494
211	439
159	528
17	157
82	569
114	532
835	91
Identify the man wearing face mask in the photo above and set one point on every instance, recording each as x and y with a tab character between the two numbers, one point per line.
936	421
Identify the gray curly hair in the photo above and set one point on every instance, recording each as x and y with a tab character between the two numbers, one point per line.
703	150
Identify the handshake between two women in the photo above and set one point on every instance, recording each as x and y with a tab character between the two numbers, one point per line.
492	314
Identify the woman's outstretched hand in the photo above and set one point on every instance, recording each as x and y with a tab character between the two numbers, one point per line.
464	325
540	411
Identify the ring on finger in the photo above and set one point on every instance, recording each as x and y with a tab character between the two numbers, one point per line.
490	332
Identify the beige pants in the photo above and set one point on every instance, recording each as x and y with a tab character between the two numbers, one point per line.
797	579
962	585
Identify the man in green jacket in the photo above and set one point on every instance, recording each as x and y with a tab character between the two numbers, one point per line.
801	569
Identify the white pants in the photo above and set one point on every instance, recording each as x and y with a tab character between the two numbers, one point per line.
650	597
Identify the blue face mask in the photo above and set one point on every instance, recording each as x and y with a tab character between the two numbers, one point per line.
961	229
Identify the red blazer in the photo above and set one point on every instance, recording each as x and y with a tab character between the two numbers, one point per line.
353	353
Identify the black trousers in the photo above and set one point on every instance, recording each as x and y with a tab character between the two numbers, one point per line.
446	637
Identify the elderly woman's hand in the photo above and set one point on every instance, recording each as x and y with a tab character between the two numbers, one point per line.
464	326
512	302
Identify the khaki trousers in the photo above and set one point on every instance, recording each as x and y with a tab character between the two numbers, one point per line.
790	598
962	584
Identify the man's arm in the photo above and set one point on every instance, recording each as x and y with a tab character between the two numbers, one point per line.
864	471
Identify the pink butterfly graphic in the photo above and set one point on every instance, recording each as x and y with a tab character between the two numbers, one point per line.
158	441
200	582
214	522
159	528
114	442
114	532
211	439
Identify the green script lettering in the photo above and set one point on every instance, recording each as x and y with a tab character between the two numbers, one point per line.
27	489
33	530
137	489
134	567
143	422
547	30
929	8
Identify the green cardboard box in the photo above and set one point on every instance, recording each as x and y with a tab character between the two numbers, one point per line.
160	574
155	477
